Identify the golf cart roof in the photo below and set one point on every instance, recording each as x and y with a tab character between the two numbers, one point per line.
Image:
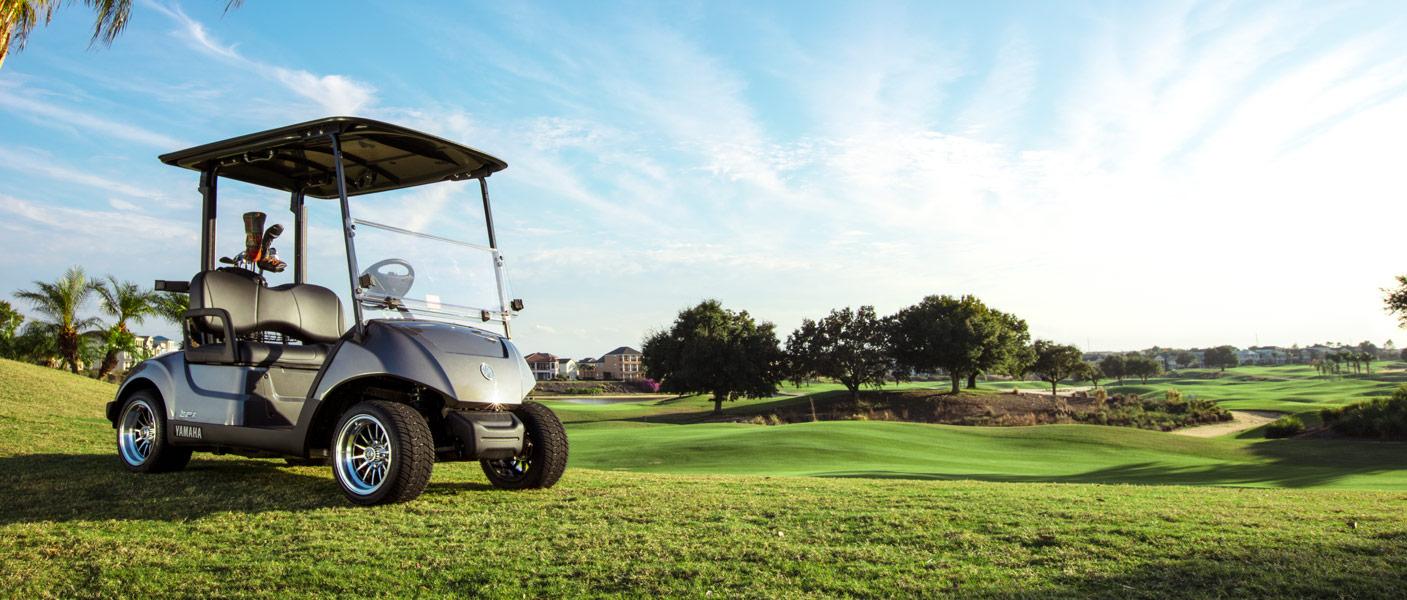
376	157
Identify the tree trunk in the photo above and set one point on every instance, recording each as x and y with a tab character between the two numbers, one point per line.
971	380
957	382
1053	388
68	350
717	404
109	363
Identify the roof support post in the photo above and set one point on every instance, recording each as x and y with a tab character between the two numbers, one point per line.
300	237
488	210
208	178
493	243
349	231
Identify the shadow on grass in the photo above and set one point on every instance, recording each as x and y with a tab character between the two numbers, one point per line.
64	487
1285	463
1367	567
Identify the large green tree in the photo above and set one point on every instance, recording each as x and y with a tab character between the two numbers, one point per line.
802	353
715	351
1055	362
125	302
1006	338
1142	367
1220	357
956	335
846	345
58	304
1114	366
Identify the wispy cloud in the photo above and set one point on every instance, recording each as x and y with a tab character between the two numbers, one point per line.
333	94
46	112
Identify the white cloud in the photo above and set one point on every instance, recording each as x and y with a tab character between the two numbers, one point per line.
45	112
332	94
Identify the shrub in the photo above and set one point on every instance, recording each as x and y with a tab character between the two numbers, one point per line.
647	385
1286	426
1383	418
1101	396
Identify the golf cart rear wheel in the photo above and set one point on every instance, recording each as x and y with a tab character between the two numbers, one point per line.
544	455
382	452
141	436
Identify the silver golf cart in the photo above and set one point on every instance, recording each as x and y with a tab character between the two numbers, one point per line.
422	370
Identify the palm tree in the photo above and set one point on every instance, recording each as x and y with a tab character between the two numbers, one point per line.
124	302
58	304
171	306
19	17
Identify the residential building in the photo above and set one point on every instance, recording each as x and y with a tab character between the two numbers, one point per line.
588	368
623	363
566	368
148	345
543	365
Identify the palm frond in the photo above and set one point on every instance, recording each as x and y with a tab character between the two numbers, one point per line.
112	16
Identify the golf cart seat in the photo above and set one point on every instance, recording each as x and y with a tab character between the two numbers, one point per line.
307	313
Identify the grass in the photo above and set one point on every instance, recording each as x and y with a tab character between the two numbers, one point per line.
73	524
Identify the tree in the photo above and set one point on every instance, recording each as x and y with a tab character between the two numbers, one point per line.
1142	367
10	320
1185	359
124	301
171	306
943	332
848	346
1220	356
1113	366
18	19
1055	362
802	355
1091	372
712	350
58	303
1008	340
1018	362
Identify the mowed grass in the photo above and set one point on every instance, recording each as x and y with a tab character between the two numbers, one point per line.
74	524
1283	388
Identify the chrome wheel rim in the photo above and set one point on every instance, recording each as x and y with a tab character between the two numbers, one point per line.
363	454
136	435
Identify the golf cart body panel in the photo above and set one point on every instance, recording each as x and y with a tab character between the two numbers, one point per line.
468	366
271	369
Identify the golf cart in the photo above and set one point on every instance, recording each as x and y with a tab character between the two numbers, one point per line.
416	376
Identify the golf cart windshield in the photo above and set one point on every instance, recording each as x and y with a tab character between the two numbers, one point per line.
412	275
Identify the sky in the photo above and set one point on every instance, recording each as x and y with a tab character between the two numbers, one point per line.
1119	174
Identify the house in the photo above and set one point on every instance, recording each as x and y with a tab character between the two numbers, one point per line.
543	365
623	363
588	368
147	346
566	368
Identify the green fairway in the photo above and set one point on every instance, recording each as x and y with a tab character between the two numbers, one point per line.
1282	388
73	523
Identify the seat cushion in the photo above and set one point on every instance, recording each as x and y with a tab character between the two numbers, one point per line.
284	355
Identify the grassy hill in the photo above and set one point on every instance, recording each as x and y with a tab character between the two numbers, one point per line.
72	523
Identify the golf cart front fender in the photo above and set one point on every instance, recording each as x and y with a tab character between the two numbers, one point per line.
468	366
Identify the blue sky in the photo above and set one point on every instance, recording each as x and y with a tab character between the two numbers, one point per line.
1120	174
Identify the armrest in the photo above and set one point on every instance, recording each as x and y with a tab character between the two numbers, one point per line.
227	353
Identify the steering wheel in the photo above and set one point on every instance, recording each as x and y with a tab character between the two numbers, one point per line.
388	283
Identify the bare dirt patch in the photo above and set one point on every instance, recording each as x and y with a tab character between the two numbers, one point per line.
1241	420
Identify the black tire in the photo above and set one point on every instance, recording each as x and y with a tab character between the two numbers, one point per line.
405	442
544	455
144	448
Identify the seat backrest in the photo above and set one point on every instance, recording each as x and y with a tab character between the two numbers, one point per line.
305	312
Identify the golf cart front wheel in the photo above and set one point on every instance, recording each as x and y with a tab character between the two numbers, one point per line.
141	437
544	455
382	452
